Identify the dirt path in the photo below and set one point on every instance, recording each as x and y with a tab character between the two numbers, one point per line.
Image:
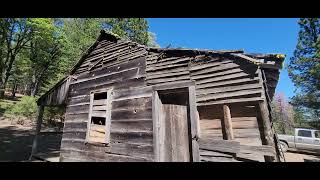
293	156
16	143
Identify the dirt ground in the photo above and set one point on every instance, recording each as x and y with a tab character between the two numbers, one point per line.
294	156
16	143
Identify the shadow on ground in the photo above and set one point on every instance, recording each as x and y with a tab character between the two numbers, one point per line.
306	152
16	143
302	156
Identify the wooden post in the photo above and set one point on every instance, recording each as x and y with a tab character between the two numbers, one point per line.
194	124
38	128
227	122
156	112
263	117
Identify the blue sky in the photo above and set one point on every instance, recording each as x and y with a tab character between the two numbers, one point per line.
253	35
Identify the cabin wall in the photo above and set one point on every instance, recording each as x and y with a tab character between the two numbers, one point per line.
131	111
225	80
57	95
244	123
219	78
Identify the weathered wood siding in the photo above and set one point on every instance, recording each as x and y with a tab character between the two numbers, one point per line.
111	65
225	80
108	53
232	151
131	69
219	78
244	123
57	95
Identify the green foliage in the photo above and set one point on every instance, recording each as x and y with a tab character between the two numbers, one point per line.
54	116
299	117
51	46
304	68
41	51
78	34
15	34
135	29
152	40
81	33
5	105
26	107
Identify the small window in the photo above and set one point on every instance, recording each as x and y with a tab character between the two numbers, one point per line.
317	134
304	133
99	118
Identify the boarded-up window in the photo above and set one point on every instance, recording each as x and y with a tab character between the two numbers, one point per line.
99	118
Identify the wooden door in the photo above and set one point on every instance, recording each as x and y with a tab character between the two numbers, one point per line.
175	131
175	125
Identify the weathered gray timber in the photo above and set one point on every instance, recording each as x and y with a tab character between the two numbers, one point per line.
166	104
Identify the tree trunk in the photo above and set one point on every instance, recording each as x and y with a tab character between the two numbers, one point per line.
6	73
27	90
34	89
34	85
2	90
2	84
14	89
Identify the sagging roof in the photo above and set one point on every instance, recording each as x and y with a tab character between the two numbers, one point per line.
266	61
259	59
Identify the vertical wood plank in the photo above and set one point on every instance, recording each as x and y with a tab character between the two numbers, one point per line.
108	115
194	124
264	119
161	130
89	116
38	128
167	137
176	136
228	122
156	125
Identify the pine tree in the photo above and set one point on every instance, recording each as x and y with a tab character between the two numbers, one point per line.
304	68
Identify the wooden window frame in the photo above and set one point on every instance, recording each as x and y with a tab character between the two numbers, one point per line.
108	116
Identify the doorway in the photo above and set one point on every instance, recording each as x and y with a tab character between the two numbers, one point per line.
174	123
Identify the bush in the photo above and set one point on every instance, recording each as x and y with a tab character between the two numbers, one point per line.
54	116
25	108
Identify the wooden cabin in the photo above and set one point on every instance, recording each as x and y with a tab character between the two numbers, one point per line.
128	102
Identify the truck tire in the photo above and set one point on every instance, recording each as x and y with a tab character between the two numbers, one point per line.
284	146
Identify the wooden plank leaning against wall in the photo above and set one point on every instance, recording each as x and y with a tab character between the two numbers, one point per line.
264	116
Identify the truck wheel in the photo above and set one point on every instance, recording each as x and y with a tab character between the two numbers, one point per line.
284	146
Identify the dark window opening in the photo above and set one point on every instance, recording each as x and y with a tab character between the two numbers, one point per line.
98	120
98	96
304	133
176	96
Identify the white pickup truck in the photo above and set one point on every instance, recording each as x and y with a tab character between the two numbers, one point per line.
303	139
